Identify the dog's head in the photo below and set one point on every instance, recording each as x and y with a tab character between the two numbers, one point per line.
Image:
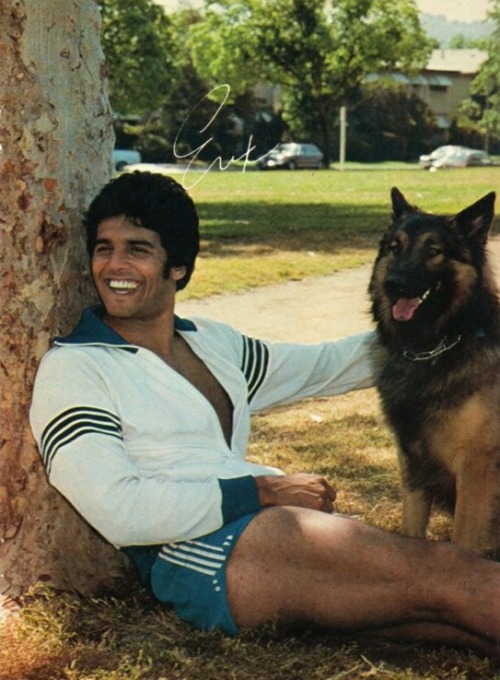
428	266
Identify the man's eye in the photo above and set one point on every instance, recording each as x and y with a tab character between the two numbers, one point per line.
102	248
140	250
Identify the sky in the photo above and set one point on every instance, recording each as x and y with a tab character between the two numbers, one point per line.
454	10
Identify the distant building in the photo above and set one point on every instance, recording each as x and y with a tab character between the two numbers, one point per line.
442	85
445	83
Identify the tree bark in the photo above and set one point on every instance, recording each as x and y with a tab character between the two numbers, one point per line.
56	139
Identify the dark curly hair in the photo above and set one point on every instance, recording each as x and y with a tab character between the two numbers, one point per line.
155	202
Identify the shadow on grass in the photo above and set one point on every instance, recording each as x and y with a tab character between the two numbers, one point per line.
294	225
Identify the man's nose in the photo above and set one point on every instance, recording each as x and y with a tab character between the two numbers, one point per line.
119	259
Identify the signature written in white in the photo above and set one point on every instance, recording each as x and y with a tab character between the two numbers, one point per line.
218	161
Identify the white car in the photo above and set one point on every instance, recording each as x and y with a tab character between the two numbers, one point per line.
452	156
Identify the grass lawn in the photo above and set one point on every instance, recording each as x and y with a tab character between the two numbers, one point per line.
259	228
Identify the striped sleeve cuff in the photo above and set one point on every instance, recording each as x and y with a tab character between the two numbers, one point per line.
239	497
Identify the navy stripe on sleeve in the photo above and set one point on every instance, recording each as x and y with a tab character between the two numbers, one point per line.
73	423
254	364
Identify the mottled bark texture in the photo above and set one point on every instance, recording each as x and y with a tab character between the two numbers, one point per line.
56	139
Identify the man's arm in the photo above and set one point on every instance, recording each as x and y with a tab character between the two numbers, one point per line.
87	460
293	372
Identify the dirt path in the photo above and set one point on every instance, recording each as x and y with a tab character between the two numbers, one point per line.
311	310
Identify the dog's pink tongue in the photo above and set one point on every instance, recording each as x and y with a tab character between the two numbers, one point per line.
404	308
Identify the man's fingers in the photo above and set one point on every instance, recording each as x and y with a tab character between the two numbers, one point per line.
330	491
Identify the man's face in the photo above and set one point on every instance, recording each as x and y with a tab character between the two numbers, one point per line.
128	265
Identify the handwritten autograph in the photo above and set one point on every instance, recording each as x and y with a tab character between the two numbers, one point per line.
194	154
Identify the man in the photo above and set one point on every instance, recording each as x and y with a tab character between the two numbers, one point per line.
142	420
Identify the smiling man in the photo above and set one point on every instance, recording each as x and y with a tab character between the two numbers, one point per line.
127	266
143	419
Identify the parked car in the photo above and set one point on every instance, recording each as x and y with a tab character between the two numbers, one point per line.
476	158
292	156
452	156
124	157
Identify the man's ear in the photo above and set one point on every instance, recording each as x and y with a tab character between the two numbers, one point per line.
177	273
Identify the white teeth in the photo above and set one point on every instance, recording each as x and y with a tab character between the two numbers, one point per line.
425	295
122	285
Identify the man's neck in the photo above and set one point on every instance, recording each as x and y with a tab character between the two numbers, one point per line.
155	334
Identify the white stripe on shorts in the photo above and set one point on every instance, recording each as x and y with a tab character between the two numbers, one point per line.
195	555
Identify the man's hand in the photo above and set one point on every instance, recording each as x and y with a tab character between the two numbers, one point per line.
301	489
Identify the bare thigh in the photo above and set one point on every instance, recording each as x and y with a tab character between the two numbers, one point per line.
303	565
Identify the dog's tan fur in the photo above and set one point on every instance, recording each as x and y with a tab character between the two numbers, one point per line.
431	288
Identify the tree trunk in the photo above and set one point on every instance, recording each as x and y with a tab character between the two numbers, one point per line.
56	139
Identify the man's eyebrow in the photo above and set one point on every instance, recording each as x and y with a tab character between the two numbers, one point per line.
140	242
130	241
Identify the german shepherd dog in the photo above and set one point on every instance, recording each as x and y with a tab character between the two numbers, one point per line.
437	314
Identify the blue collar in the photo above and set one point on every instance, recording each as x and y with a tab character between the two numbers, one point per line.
92	330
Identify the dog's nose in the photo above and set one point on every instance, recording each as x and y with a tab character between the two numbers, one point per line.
395	284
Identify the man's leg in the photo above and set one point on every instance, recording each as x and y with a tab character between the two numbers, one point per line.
301	565
436	633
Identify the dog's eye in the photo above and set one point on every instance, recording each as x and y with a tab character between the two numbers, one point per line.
395	247
434	251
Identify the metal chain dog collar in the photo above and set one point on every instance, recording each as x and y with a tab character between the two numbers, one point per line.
443	346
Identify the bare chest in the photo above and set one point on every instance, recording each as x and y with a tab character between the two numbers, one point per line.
193	369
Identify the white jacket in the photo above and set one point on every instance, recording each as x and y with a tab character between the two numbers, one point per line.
140	452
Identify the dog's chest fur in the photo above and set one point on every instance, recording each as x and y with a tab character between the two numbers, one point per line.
442	410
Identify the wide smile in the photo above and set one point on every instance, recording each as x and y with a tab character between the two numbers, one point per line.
122	286
405	307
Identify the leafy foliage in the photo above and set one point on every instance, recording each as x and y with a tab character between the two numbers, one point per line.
141	53
388	122
316	50
483	108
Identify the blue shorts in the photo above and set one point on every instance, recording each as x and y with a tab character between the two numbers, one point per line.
191	576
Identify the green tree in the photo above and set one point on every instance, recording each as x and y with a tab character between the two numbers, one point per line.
462	42
317	50
483	108
187	109
141	54
388	121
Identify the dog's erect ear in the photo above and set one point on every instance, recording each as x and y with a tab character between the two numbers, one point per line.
474	222
400	205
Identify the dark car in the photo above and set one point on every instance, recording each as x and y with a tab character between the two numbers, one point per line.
292	156
452	156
